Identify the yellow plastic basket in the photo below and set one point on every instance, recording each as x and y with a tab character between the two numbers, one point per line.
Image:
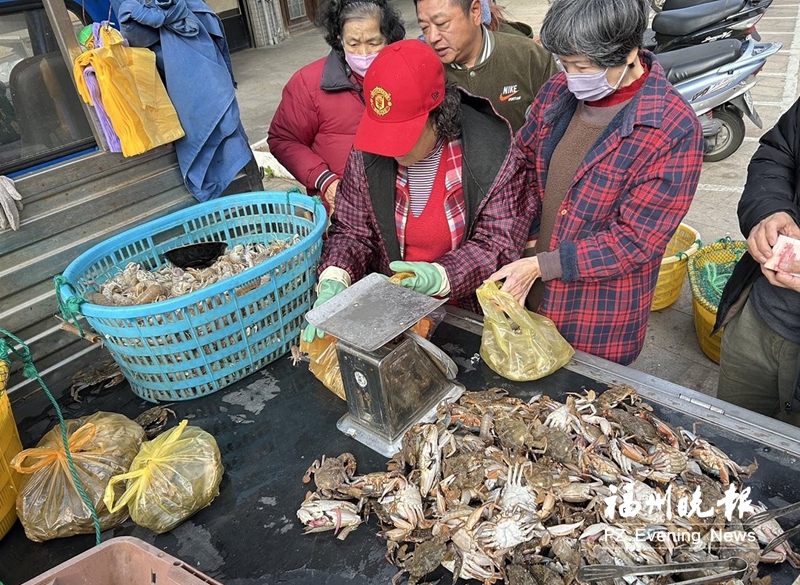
724	253
703	326
10	445
683	244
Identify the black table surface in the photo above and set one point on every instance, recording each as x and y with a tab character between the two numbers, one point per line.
270	427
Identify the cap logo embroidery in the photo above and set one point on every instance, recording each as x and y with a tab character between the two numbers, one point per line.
380	100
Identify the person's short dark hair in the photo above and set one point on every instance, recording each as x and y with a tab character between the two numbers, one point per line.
463	4
447	115
604	31
333	15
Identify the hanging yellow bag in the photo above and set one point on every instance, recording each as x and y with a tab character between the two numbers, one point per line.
133	95
324	363
517	344
48	503
173	476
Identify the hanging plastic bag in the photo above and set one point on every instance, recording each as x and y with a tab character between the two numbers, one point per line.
133	95
324	363
173	476
517	344
48	503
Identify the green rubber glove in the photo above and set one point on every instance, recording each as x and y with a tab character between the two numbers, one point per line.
326	290
426	280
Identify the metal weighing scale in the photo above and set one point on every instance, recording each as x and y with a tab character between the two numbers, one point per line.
392	378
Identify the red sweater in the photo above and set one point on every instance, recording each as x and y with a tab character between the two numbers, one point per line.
427	237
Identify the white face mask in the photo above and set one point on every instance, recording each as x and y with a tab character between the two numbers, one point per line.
360	63
592	86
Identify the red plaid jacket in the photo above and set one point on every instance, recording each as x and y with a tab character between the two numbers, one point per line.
362	237
627	199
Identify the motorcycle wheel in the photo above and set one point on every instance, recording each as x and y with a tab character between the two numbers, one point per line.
730	137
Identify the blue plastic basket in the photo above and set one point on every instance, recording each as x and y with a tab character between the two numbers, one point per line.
198	343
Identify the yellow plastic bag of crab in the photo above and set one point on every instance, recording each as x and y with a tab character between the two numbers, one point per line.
48	502
173	476
517	344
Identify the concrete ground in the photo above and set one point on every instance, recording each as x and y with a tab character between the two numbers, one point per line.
672	351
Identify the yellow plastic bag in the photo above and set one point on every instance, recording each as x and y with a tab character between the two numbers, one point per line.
517	344
173	476
324	363
48	503
133	95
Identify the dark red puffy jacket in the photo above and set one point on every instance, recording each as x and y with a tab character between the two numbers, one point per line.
314	126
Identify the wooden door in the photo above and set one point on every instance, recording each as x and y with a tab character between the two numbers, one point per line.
299	12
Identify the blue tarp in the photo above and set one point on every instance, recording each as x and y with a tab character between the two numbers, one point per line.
192	53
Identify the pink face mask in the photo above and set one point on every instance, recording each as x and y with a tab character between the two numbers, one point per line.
591	86
359	63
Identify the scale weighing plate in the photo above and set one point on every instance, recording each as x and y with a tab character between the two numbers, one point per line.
372	312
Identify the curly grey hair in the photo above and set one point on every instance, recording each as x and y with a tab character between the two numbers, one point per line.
333	15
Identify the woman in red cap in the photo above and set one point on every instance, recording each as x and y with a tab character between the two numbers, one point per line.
418	191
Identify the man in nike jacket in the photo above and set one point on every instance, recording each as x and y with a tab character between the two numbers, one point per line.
506	69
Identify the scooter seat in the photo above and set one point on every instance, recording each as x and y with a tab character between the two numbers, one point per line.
683	64
676	23
678	4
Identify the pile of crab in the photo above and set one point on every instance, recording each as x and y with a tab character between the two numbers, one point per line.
136	285
528	492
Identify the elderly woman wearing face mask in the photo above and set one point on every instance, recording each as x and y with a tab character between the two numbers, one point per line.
610	157
313	128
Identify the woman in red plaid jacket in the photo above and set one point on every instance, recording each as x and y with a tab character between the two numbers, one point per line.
610	156
418	192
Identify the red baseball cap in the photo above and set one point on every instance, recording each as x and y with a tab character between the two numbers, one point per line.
402	86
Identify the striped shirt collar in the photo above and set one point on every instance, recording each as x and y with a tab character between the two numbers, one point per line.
487	48
434	155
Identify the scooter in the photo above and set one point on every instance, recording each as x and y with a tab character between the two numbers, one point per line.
660	5
716	79
692	22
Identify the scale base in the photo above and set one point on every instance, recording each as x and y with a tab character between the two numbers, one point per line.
354	428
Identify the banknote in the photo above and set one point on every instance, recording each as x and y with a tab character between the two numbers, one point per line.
785	255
